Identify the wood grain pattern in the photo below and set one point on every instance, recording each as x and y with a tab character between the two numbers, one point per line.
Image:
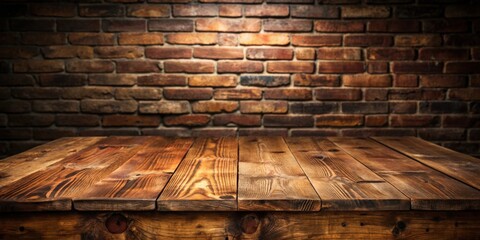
38	158
137	183
342	182
270	178
206	180
427	188
53	188
457	165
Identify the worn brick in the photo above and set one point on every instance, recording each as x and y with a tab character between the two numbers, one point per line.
339	53
171	25
390	54
77	120
108	106
266	10
269	53
227	39
56	106
462	11
16	80
90	66
309	80
68	52
287	25
305	53
137	66
78	25
405	94
38	66
367	80
43	39
418	40
365	12
264	80
162	80
138	93
218	53
101	10
130	121
413	121
237	94
61	80
341	67
119	52
440	107
403	107
230	10
376	120
313	107
287	121
15	106
377	67
91	38
18	52
237	120
305	11
87	92
151	11
339	26
288	94
446	26
443	54
29	120
195	10
418	12
290	67
214	106
370	40
338	94
462	67
189	66
193	120
365	107
376	94
405	80
338	120
124	25
461	121
446	81
188	94
417	67
112	79
192	38
168	53
264	39
316	41
37	25
239	67
164	107
227	25
449	134
212	81
264	107
9	38
465	94
396	26
140	38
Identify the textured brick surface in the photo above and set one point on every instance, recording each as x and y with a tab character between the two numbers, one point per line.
240	67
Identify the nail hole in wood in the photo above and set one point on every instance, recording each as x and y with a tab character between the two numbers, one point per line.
116	223
249	223
21	228
333	150
344	224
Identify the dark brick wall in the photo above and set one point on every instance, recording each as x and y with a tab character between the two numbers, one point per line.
249	67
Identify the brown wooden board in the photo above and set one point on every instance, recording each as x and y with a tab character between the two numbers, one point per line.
342	182
137	183
206	180
270	179
460	166
427	188
55	186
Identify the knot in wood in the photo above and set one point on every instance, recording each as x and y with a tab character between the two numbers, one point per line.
249	223
116	223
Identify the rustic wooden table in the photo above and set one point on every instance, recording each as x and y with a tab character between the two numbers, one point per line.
240	188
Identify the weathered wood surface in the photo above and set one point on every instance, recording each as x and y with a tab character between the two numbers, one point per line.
206	180
459	166
342	182
240	225
270	178
427	188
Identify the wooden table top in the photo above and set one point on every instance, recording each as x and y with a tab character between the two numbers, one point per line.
239	174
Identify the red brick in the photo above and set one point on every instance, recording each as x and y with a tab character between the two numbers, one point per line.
305	11
14	106
142	10
462	67
341	67
108	106
308	80
339	53
398	26
419	12
237	94
403	107
192	38
413	121
62	80
195	10
68	52
443	54
32	93
228	25
189	66
43	38
26	120
237	120
377	67
18	52
91	38
316	40
52	133
265	80
462	11
130	121
313	107
227	39
433	94
230	10
119	52
77	120
188	94
339	26
446	81
418	40
367	80
138	93
305	53
53	10
87	92
376	120
370	40
287	121
263	107
162	80
14	80
101	10
56	106
164	107
365	107
405	94
212	81
112	79
405	80
417	67
168	53
462	40
365	12
214	106
193	120
338	94
9	38
124	25
375	94
239	67
466	94
446	26
171	25
474	81
90	66
390	54
140	38
37	25
338	120
264	39
218	53
461	121
290	67
78	25
137	66
288	94
476	53
266	10
270	53
280	25
38	66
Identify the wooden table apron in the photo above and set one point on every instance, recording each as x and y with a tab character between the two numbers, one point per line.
240	188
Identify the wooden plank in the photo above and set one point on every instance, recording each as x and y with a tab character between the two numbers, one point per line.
427	188
270	178
460	166
231	225
53	187
38	158
343	183
138	182
206	180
